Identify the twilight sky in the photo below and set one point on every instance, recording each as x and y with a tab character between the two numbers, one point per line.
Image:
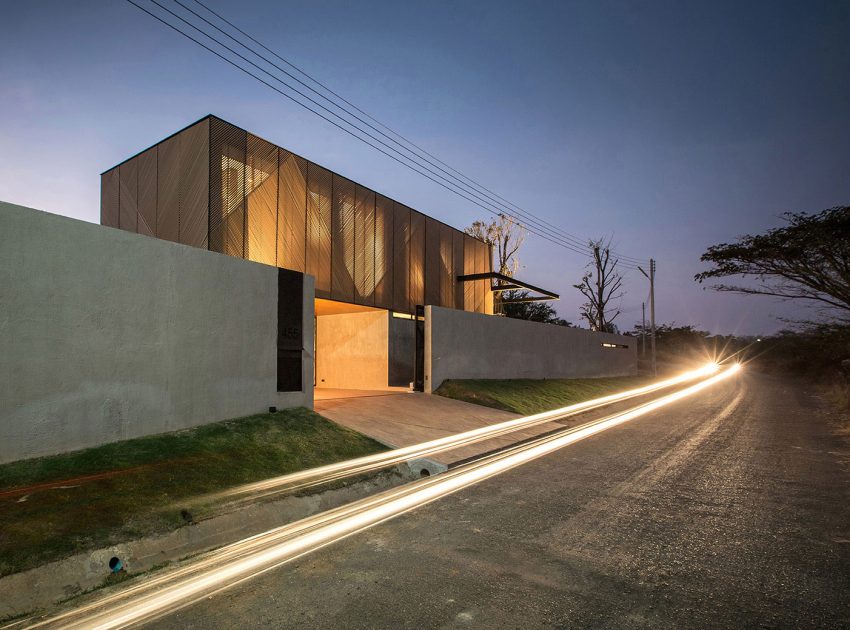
668	126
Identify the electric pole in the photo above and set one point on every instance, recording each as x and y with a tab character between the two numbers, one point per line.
643	330
651	277
652	311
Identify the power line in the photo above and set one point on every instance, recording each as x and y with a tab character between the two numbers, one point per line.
480	187
538	224
474	189
282	93
411	163
470	190
537	229
491	209
579	242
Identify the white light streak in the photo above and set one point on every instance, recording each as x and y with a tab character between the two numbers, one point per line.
253	556
360	465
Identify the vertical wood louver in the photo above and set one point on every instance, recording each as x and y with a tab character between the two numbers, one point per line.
292	212
147	192
384	266
168	189
261	198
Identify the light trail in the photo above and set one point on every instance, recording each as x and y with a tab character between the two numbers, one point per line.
256	555
370	463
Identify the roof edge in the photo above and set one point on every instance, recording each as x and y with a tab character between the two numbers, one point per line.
179	131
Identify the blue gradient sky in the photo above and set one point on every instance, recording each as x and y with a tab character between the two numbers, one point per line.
668	126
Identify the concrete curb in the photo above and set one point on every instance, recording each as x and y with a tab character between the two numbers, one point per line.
39	588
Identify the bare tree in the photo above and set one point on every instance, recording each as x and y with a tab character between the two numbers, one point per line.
601	284
506	236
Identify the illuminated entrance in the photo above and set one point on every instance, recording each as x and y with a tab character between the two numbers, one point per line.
362	347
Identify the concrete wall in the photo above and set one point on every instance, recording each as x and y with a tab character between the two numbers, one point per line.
108	335
459	344
352	350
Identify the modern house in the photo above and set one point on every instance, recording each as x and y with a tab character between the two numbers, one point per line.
109	334
215	186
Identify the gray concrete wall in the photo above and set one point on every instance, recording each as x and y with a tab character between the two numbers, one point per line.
108	335
459	344
352	350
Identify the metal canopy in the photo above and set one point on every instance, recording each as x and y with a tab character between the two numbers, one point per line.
506	283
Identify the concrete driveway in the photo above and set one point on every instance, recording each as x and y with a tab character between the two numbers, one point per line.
403	419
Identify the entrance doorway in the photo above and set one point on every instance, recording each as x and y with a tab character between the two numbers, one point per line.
359	347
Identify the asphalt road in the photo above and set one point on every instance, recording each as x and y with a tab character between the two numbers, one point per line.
729	509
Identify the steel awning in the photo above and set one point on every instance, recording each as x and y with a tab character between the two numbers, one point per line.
500	282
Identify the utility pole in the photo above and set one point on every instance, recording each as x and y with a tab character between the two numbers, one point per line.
651	277
652	311
643	330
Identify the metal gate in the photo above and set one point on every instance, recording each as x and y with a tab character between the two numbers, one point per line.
419	351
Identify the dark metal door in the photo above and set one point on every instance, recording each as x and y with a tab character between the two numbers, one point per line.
419	351
290	340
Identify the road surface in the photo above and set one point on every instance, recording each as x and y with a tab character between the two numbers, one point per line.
728	509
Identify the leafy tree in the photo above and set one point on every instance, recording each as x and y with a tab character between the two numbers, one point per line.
813	351
532	311
807	259
601	284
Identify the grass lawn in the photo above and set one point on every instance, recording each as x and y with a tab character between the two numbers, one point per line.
53	507
529	396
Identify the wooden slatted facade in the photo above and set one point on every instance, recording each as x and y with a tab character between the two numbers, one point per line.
216	186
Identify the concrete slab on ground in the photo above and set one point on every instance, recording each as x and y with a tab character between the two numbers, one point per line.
330	393
399	420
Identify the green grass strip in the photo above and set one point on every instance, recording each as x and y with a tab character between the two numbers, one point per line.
530	396
53	507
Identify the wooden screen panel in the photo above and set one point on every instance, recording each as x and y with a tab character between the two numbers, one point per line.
457	267
468	269
384	265
364	246
109	198
342	244
292	212
319	210
401	258
261	200
147	192
480	267
194	185
488	266
168	189
227	188
432	262
417	259
446	267
128	195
